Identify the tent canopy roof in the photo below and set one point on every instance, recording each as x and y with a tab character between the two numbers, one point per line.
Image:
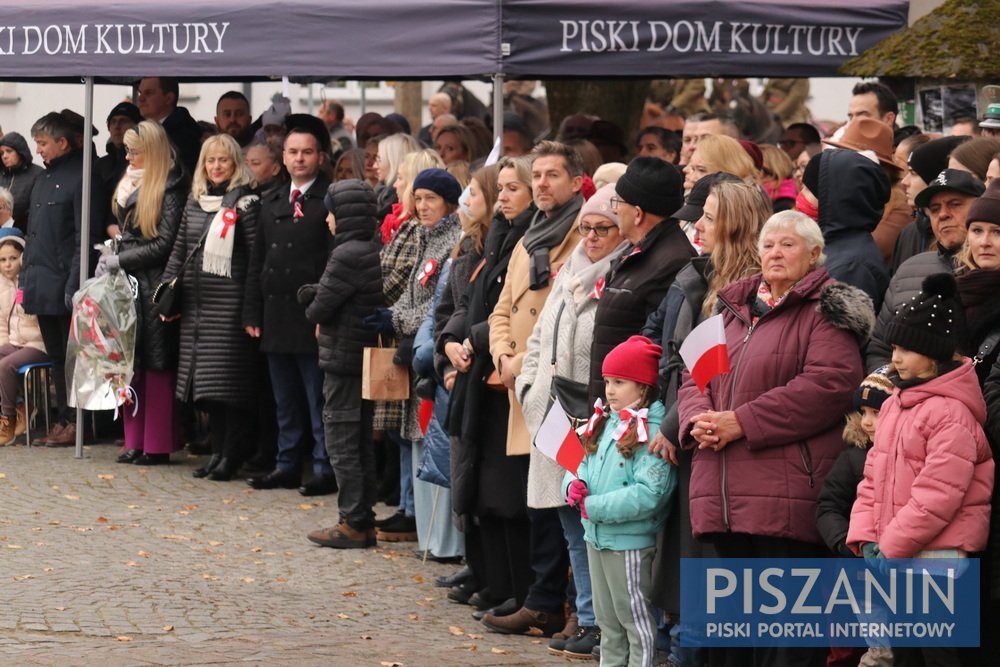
431	39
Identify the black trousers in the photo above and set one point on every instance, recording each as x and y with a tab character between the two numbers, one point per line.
347	423
549	562
231	428
55	334
741	545
506	547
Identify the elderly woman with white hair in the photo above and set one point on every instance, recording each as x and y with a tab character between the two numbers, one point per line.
6	208
766	433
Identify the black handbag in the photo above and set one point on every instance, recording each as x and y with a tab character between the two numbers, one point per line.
574	397
167	294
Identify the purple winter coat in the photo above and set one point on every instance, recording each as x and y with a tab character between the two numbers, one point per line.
792	379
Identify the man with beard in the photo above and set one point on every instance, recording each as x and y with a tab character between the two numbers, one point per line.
232	117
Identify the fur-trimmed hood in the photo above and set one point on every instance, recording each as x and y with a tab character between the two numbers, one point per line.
848	308
853	433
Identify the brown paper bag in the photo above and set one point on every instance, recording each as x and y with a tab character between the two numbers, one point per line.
382	380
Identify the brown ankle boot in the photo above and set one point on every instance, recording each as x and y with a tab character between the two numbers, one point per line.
343	536
6	431
526	622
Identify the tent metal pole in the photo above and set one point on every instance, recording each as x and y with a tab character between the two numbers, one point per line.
364	100
498	107
85	221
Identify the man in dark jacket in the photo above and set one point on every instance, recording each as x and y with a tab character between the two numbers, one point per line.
349	290
290	251
110	168
157	101
947	200
649	192
18	175
51	274
851	192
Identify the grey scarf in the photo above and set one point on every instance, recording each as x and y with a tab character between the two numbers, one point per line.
545	233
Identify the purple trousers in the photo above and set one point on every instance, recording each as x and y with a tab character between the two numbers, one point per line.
12	358
155	428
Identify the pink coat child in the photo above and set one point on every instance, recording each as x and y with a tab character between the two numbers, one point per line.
928	479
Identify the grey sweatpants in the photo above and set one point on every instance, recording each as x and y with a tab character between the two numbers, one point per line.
622	583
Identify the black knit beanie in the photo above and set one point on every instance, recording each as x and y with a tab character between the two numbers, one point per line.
931	323
987	207
653	185
930	159
874	389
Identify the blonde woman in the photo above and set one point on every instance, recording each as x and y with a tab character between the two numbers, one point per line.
218	362
147	206
391	152
717	153
733	215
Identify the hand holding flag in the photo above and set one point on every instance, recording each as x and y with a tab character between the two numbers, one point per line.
557	439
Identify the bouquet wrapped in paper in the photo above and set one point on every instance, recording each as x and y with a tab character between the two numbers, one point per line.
101	348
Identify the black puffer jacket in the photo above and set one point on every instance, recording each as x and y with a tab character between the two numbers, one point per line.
351	286
633	289
288	253
852	194
836	498
20	179
218	361
145	259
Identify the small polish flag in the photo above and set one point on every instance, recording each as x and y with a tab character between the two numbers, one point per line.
425	414
557	439
704	351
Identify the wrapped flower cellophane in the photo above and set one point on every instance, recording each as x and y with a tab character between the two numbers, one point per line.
101	347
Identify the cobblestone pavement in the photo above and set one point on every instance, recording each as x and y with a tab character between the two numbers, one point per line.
108	564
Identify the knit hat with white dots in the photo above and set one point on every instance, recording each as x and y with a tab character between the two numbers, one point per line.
932	322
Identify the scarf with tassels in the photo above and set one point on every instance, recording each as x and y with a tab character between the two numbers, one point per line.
218	255
127	185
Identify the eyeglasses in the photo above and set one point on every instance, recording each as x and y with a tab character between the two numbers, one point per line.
132	152
601	231
615	202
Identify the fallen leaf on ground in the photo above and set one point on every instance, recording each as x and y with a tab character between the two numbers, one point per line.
123	638
244	518
455	630
144	554
183	538
215	543
102	519
189	507
499	651
392	664
343	616
247	580
256	550
168	628
473	635
258	534
281	580
417	578
413	617
105	477
534	632
23	577
366	636
3	475
131	563
134	507
228	501
54	522
69	497
349	594
306	506
14	546
60	608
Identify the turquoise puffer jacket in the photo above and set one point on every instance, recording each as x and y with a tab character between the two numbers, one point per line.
629	498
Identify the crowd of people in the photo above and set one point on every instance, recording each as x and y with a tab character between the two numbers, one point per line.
855	275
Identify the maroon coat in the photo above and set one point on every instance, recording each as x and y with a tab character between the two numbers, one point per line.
792	379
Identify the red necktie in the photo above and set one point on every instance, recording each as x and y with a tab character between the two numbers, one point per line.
296	193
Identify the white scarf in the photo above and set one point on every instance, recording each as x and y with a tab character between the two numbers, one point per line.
130	183
217	258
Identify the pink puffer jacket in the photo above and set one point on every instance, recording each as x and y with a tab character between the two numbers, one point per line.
929	476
